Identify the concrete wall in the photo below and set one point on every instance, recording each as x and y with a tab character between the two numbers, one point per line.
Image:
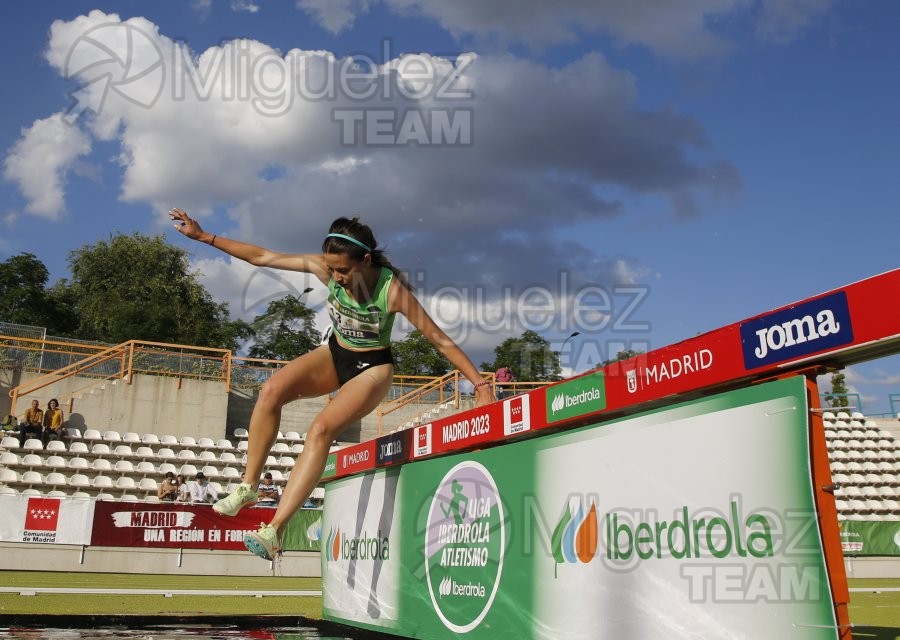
151	404
17	556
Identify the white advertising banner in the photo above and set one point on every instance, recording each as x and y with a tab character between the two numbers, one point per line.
45	520
692	522
360	554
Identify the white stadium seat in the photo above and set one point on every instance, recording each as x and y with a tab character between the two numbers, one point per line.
79	480
9	459
32	478
187	441
33	444
102	482
210	471
168	440
56	479
56	446
80	494
227	457
240	433
7	491
8	476
101	465
100	449
146	468
186	454
281	447
231	472
79	463
78	448
91	434
148	484
206	443
31	491
144	453
165	467
56	493
224	444
9	442
150	438
123	467
125	483
32	461
188	470
123	451
165	453
207	456
112	436
131	437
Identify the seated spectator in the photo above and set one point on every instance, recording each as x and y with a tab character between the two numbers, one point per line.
201	492
53	423
183	493
168	488
9	423
269	492
33	424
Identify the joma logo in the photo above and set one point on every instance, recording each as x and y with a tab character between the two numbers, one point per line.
798	331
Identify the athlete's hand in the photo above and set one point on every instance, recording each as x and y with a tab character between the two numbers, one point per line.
185	225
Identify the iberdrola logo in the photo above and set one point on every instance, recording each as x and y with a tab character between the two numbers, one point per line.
333	549
575	537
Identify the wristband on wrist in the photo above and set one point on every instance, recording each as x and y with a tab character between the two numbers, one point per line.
212	242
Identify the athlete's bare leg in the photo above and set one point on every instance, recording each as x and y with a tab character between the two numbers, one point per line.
310	375
356	399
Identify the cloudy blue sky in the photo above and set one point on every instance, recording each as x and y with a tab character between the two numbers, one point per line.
640	172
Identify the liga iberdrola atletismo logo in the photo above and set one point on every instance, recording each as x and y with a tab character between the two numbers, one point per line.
464	546
576	535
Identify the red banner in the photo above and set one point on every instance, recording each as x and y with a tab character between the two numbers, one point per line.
136	524
843	326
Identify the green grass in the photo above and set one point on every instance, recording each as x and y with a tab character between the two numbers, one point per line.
177	605
874	615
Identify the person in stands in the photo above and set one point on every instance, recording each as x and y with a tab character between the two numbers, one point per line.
365	292
168	488
53	422
33	424
269	492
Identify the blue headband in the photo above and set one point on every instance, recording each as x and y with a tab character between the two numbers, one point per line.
353	240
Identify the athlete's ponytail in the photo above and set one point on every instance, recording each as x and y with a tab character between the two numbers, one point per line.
350	237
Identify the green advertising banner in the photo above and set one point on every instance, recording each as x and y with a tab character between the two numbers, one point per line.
870	538
303	531
696	520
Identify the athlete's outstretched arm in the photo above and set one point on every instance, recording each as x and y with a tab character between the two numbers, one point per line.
402	300
257	256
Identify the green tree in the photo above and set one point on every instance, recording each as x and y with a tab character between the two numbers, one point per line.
529	357
139	287
416	356
624	354
286	330
23	298
838	396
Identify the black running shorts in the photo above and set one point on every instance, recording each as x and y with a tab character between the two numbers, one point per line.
350	364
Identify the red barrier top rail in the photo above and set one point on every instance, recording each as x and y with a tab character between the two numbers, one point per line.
834	329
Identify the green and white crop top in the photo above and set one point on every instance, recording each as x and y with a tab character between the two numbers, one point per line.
362	326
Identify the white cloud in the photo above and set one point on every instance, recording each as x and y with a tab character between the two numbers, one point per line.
687	29
334	15
40	161
782	21
244	5
537	150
